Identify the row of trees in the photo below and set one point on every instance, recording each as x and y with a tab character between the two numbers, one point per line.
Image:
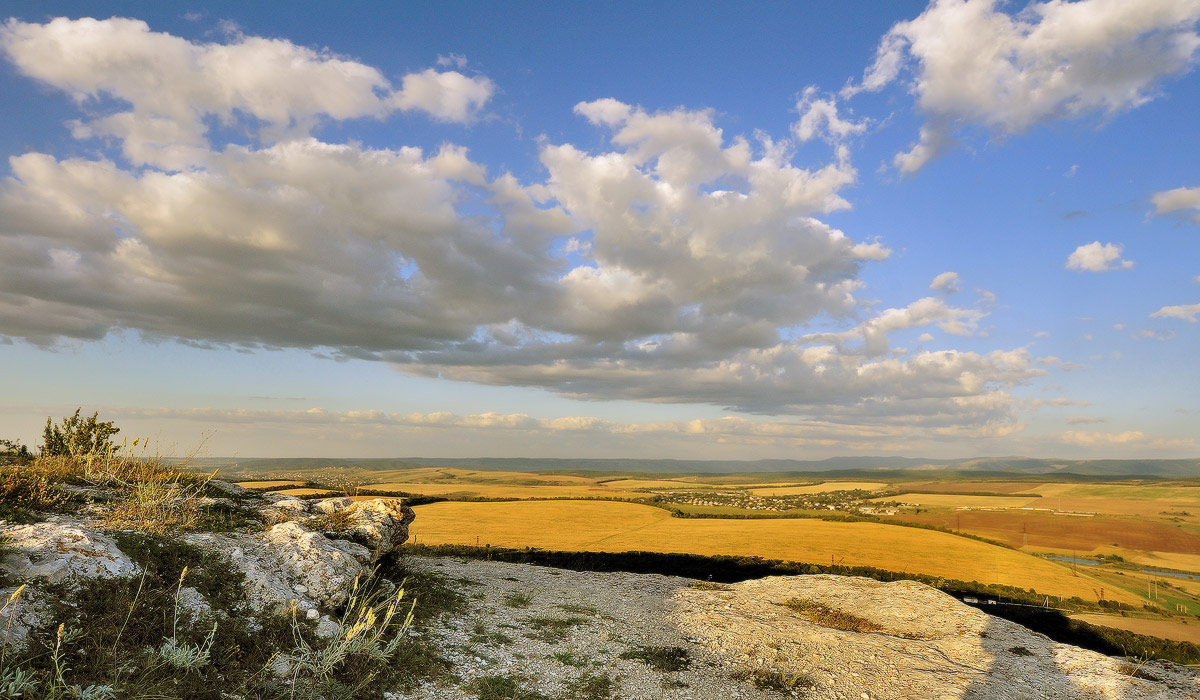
73	435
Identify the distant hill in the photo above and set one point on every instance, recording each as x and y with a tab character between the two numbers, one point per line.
844	465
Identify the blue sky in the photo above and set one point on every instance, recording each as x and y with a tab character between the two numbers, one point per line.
606	230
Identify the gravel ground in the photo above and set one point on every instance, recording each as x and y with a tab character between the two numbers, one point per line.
535	632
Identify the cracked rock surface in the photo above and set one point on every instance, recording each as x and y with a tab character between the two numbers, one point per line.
929	645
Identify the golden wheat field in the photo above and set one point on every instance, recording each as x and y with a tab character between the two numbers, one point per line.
264	485
617	527
1166	629
478	490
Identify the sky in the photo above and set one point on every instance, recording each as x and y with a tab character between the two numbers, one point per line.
727	231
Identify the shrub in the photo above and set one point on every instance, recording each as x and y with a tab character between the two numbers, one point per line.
76	435
13	452
25	490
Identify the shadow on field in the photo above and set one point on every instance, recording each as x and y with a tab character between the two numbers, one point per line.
726	569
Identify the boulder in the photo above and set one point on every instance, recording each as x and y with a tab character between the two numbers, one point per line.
290	562
61	551
330	506
231	490
381	522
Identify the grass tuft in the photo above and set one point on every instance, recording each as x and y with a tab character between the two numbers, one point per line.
665	659
498	687
772	679
830	617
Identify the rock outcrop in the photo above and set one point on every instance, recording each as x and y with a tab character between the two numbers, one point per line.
61	550
381	523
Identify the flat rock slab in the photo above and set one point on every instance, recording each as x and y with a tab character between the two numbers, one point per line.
61	550
930	646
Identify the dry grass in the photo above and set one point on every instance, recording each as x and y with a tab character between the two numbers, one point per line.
830	617
148	493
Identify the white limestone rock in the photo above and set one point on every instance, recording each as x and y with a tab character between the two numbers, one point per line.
382	522
62	550
287	559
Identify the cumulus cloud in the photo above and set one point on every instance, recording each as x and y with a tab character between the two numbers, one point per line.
945	282
973	63
698	261
173	86
1098	257
1185	312
1184	201
446	95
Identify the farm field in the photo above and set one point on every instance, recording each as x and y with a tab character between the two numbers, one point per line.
1178	630
946	500
268	485
301	492
474	490
627	484
616	527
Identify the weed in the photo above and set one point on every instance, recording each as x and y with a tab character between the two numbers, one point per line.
830	617
432	593
771	679
518	600
665	659
592	686
370	631
480	635
710	586
28	489
1132	667
553	629
567	658
499	687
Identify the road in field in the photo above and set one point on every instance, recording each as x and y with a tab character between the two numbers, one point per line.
618	527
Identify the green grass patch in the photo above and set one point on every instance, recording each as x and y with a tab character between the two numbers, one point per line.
499	687
592	686
553	629
665	659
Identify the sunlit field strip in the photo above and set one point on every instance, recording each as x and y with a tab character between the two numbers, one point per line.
616	527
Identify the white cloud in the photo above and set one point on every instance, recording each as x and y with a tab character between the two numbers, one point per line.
1184	201
945	282
172	85
1185	312
974	63
1098	257
1124	439
819	119
446	95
